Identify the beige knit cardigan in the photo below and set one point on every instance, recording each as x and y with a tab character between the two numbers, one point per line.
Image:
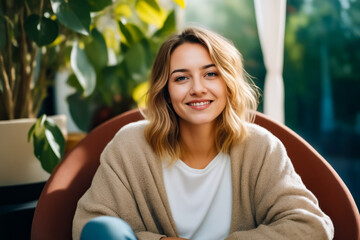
269	199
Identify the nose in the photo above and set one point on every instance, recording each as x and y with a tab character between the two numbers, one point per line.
198	87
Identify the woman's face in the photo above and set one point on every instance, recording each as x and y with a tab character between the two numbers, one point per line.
197	91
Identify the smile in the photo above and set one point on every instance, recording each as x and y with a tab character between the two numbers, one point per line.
199	103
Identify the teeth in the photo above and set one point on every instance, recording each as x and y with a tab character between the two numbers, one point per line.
199	103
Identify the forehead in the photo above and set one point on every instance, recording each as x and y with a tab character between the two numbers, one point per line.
189	55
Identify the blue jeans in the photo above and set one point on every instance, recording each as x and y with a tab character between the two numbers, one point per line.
106	227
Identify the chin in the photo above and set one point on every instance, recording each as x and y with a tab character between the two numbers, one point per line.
199	121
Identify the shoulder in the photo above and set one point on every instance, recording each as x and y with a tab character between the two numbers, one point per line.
129	138
131	132
260	153
129	147
258	134
133	127
259	142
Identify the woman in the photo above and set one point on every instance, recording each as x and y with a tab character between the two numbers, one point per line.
197	168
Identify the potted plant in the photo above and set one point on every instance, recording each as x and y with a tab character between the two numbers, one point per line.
31	46
39	37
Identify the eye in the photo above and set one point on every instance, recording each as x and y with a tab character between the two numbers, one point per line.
181	78
211	74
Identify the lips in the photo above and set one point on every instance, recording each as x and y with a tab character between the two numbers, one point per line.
198	103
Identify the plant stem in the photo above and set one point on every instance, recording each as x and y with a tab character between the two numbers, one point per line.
40	89
24	102
7	93
10	67
7	72
41	7
27	7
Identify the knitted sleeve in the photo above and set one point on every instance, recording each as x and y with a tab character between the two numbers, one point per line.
113	192
283	208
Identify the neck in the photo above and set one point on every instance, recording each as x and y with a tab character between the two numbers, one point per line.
197	145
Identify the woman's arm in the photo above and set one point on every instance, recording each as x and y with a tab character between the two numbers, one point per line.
109	196
112	192
128	185
282	206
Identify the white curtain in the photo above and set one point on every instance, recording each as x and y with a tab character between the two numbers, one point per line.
270	18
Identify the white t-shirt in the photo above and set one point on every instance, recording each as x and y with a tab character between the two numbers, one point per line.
200	199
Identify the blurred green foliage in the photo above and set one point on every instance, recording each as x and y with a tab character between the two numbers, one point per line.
335	26
116	57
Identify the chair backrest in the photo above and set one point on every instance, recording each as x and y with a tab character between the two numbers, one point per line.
69	181
319	177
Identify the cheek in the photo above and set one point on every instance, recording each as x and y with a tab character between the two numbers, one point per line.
220	89
171	94
176	93
222	95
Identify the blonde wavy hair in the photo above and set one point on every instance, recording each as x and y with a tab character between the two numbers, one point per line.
163	132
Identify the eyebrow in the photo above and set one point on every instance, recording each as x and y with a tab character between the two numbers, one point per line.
186	70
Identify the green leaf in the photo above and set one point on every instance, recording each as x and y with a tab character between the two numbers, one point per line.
74	14
55	138
149	56
130	33
135	60
72	81
82	111
98	5
169	26
107	84
150	12
135	32
181	3
122	10
126	83
96	50
125	34
48	142
151	4
83	69
31	132
41	30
